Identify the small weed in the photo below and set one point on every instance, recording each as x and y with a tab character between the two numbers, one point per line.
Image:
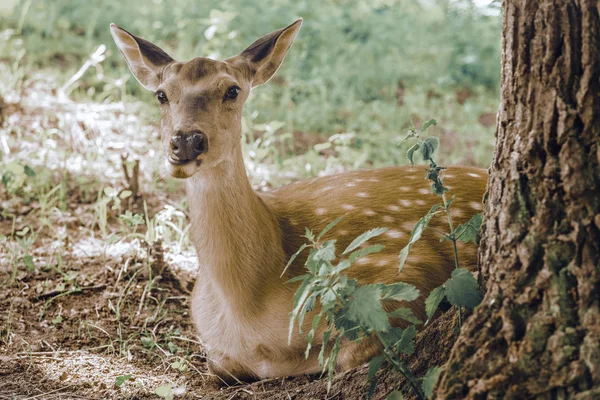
461	289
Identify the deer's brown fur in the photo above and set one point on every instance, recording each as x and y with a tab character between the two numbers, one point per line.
241	303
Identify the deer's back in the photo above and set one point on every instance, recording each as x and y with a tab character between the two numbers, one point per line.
393	198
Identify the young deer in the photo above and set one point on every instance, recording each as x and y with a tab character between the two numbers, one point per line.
240	303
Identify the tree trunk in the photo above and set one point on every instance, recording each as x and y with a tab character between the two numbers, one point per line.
537	332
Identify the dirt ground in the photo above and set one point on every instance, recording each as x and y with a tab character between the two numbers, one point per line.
103	314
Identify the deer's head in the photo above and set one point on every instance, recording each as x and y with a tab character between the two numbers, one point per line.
201	100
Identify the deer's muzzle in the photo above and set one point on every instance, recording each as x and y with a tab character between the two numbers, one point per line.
186	147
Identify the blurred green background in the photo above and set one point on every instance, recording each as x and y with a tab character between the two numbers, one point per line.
360	74
370	67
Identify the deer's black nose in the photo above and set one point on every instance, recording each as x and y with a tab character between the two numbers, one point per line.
187	146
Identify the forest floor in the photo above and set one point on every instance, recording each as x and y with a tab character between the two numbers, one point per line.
96	267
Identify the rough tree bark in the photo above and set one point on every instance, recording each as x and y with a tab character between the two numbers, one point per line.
537	332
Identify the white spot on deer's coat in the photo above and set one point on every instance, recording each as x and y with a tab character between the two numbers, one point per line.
393	207
420	202
448	176
473	175
369	212
320	211
326	189
363	261
373	180
348	207
424	191
404	189
342	232
387	218
405	203
476	206
394	234
362	194
351	184
408	226
382	263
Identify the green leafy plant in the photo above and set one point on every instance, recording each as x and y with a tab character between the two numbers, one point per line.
352	311
355	312
121	379
461	289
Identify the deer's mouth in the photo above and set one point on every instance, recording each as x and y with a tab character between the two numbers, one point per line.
182	168
178	162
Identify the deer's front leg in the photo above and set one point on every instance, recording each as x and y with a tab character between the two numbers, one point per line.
227	371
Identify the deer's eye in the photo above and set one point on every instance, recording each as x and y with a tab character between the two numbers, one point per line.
162	97
232	93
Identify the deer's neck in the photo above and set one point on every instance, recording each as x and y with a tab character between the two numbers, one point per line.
236	236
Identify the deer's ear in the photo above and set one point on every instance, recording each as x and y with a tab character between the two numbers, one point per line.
145	59
267	53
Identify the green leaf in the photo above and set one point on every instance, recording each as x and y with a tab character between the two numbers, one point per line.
406	344
402	257
351	328
299	278
438	188
292	258
433	142
329	227
395	395
342	266
468	232
125	194
311	334
462	290
164	391
326	336
429	380
363	238
433	301
392	335
365	251
325	253
58	320
328	299
309	304
332	359
365	308
147	342
415	235
427	124
28	261
7	177
400	291
121	379
411	153
299	298
309	235
405	314
180	365
29	171
427	149
374	366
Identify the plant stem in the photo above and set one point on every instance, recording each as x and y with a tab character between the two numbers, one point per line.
452	232
453	237
400	366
